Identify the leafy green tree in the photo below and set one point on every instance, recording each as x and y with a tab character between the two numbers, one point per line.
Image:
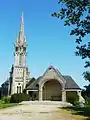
76	13
87	91
87	77
30	81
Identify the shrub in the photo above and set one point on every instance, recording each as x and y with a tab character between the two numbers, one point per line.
87	101
16	98
72	97
24	91
6	100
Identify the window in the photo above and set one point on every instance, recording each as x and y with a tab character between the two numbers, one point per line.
18	83
18	89
16	49
20	60
49	68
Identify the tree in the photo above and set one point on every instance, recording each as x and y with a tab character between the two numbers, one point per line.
87	91
31	81
87	77
76	13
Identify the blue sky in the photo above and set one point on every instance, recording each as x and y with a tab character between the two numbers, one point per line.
49	42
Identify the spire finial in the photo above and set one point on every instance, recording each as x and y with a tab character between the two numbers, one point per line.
21	37
22	23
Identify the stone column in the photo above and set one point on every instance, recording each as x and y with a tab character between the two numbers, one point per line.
27	91
63	96
40	94
81	99
24	78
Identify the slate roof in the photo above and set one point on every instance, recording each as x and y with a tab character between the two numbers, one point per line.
33	86
70	83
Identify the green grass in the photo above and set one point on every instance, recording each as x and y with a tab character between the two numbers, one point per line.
8	105
85	112
5	103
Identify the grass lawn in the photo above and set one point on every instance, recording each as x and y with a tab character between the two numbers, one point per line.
83	112
8	105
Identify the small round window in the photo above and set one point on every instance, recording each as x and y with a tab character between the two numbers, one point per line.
18	83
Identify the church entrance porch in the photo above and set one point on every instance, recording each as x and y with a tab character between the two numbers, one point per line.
53	86
52	90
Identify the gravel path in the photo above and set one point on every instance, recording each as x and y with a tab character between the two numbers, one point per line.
34	112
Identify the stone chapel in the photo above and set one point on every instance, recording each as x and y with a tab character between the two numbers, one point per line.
52	85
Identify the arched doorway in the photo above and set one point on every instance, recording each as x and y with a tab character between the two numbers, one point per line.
52	90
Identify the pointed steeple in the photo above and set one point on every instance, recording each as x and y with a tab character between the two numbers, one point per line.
22	23
20	46
21	38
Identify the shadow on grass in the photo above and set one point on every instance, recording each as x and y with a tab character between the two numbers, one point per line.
79	111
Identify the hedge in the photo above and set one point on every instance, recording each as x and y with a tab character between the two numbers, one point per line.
72	97
16	98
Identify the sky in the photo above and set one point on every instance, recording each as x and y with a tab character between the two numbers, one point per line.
49	42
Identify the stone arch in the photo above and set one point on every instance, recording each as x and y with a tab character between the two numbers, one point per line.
52	73
43	81
52	90
59	89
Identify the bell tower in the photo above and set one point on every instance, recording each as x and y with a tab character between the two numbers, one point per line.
20	75
20	46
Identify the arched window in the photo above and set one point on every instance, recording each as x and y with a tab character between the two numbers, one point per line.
20	60
18	89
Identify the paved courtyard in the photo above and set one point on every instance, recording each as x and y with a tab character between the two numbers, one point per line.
35	112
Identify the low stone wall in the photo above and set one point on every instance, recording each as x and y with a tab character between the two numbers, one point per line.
56	103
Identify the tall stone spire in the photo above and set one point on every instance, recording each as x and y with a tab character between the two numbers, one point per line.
20	46
20	74
21	38
22	24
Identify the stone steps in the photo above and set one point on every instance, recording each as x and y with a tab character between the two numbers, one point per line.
57	103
